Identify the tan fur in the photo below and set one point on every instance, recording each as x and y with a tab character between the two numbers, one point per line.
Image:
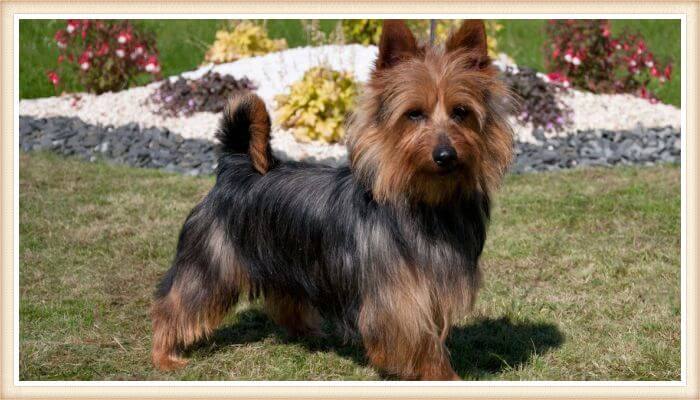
405	328
174	325
395	154
298	317
259	131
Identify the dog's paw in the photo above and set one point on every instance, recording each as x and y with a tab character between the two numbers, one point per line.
168	362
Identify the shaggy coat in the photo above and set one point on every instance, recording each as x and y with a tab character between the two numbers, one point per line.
386	249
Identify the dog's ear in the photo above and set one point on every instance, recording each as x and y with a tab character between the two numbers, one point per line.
471	36
397	43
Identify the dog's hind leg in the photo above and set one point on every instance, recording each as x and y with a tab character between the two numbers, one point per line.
201	286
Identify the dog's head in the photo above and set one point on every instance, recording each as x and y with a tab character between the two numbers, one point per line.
431	122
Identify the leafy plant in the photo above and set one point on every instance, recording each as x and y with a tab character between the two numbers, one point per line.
443	28
585	53
247	39
369	31
362	31
105	55
538	101
316	106
208	93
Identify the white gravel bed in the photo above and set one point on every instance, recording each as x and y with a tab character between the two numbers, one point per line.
272	74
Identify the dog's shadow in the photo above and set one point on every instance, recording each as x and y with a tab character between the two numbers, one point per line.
480	350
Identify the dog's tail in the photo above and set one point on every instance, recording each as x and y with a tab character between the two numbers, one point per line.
245	129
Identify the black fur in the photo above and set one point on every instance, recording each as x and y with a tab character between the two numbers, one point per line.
315	233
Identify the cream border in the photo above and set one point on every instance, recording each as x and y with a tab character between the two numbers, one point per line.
7	142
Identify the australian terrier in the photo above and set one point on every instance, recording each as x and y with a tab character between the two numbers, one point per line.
387	248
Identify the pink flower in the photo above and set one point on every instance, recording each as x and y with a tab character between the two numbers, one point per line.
138	50
654	72
84	61
124	37
152	65
606	31
104	49
633	63
60	39
576	60
568	57
60	58
120	53
53	78
72	26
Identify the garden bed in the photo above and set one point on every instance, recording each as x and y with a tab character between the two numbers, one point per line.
135	111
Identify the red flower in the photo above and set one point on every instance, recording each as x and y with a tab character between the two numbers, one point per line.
124	37
53	77
60	38
667	71
654	72
104	49
643	93
60	58
72	26
84	61
152	65
85	56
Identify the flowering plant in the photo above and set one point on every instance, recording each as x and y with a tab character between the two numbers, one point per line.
538	102
584	53
107	55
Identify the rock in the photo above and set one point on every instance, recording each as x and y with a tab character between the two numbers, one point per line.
160	148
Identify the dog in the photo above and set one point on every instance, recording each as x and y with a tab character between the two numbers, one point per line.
385	249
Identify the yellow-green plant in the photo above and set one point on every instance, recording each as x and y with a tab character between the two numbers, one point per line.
247	39
316	106
443	27
369	31
362	31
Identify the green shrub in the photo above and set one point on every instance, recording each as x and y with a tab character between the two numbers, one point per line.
369	31
316	106
362	31
246	40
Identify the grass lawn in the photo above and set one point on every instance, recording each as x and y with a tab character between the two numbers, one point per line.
582	281
182	44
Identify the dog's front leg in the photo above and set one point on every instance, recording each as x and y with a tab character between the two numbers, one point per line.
401	336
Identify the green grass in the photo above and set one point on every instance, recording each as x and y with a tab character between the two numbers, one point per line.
182	45
582	281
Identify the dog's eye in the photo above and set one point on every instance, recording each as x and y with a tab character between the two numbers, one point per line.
459	113
415	115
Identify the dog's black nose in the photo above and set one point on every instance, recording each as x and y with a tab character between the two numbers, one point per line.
445	156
